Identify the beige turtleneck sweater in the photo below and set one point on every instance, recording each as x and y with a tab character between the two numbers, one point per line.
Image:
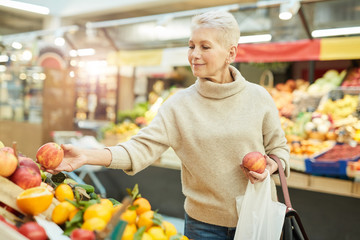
211	127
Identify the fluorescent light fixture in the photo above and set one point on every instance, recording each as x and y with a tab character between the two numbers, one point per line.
288	9
335	32
25	6
4	58
82	52
255	38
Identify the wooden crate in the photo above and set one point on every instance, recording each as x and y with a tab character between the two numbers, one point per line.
8	194
10	234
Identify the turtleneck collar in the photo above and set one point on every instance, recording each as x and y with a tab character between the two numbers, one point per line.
210	89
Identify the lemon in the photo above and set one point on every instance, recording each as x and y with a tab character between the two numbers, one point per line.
93	224
129	216
170	229
98	210
129	232
60	213
64	191
157	233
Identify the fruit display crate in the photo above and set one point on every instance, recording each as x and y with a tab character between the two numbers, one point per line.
9	209
321	165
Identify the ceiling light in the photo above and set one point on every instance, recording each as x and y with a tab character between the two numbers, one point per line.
288	9
82	52
16	45
2	68
4	58
255	38
25	6
59	41
335	32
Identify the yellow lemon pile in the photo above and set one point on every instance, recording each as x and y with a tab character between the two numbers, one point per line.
143	221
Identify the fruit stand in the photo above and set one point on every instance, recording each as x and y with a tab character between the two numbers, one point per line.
38	205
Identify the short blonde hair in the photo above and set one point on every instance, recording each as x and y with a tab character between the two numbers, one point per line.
222	20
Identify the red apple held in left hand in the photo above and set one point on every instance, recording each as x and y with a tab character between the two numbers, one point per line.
50	155
26	177
254	161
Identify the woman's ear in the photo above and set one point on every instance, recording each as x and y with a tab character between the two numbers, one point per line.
232	53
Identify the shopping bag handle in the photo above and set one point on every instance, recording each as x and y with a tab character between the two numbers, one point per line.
283	183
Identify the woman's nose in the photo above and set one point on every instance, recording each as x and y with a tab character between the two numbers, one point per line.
196	53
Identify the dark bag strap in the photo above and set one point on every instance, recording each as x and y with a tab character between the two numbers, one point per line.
290	212
282	182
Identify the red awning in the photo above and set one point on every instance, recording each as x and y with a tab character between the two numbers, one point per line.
302	50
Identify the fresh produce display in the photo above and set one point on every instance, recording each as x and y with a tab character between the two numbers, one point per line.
352	79
76	208
254	161
340	108
340	152
329	81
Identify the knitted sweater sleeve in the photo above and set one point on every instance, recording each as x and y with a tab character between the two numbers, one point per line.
274	136
142	149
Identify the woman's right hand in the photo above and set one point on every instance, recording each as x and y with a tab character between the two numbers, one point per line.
73	159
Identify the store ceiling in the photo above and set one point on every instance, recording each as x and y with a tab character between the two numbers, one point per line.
254	17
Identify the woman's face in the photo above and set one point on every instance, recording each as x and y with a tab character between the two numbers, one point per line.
207	55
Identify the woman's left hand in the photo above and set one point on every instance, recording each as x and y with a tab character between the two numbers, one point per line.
254	177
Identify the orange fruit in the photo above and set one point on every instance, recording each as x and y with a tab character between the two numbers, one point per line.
129	232
157	233
73	213
61	213
145	219
129	216
64	191
170	229
93	224
142	205
99	211
34	200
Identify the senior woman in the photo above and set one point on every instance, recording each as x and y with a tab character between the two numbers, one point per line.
210	125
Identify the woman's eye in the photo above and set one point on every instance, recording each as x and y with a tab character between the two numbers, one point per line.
191	47
206	47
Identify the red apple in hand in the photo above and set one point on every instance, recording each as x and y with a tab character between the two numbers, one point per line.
254	161
26	177
8	163
50	155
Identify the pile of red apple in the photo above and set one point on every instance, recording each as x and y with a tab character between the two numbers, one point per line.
352	79
24	171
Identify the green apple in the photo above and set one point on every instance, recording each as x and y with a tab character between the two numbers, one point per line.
1	144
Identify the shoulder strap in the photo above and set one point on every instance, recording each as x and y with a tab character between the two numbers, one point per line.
282	181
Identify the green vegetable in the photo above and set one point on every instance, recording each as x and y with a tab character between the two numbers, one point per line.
88	188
